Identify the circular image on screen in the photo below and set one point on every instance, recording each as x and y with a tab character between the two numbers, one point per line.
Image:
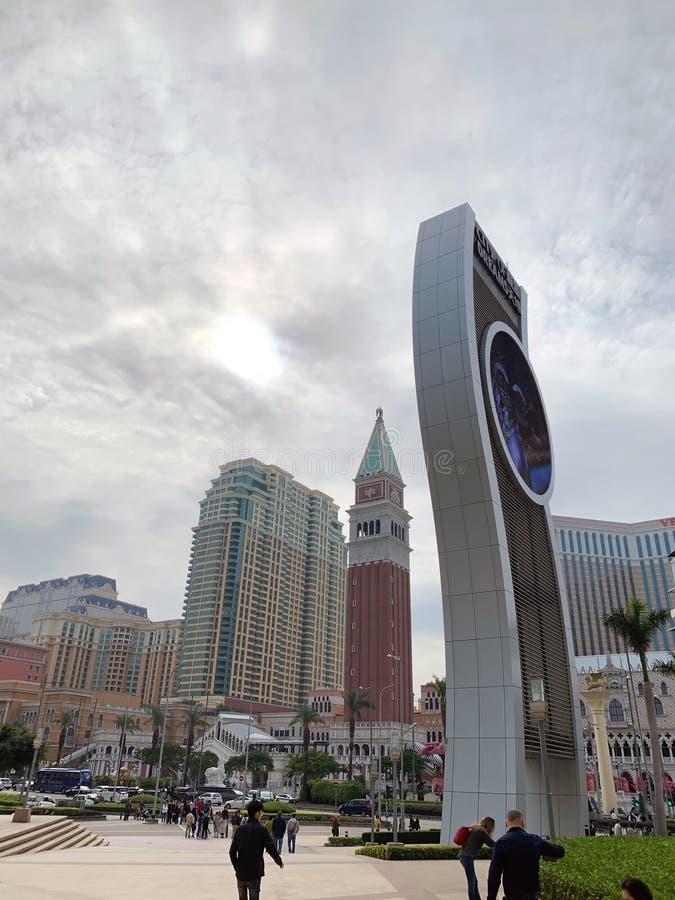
519	412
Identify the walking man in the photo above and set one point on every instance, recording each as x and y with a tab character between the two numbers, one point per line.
279	830
515	860
292	829
249	842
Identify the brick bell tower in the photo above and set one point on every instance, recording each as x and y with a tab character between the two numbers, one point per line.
377	618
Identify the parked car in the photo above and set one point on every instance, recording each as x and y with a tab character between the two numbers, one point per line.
5	784
41	801
359	807
77	791
238	802
213	797
285	798
109	794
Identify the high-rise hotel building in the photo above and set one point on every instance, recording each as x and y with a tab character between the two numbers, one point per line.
124	655
90	594
264	604
605	563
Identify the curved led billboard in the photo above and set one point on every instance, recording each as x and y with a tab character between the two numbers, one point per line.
518	412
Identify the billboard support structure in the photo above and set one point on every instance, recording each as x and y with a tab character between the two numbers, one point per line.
490	467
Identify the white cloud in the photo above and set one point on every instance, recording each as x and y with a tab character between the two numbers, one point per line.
167	169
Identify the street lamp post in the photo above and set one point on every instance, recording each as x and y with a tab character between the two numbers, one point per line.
248	741
373	774
538	709
395	753
161	745
37	743
394	658
637	737
379	759
159	763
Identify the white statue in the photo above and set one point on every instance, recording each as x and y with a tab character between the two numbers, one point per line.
214	777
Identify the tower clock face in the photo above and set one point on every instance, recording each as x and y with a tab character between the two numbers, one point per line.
518	412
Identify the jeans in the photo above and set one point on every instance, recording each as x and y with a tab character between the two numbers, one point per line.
249	890
279	843
291	843
471	880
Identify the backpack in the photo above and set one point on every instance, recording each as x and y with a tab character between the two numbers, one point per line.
461	835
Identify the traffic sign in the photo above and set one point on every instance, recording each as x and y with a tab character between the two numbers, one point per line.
241	778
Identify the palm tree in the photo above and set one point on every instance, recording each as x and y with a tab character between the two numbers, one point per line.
439	687
355	702
66	720
637	625
305	715
666	666
194	714
157	720
127	725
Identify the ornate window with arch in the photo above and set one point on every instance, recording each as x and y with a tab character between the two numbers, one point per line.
616	713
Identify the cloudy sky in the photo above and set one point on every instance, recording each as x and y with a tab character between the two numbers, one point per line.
208	220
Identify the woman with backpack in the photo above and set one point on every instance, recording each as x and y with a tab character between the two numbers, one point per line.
479	833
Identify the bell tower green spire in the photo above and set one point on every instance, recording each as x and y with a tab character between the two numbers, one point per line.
379	457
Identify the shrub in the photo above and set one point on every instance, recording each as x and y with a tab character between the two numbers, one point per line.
593	868
68	811
422	851
348	790
273	806
433	836
423	808
323	792
343	842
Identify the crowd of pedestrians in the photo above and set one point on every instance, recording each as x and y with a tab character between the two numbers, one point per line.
201	819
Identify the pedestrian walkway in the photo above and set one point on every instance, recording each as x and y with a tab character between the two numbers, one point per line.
151	861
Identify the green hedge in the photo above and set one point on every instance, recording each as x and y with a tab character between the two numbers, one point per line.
422	851
273	806
305	816
343	842
433	836
69	811
423	808
593	868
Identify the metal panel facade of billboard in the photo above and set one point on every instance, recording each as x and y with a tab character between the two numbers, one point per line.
504	615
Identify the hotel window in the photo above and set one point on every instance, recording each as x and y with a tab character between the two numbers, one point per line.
658	706
616	713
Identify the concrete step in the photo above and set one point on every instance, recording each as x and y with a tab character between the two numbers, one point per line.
53	834
28	834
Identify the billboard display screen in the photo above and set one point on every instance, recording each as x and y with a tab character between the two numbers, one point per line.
519	412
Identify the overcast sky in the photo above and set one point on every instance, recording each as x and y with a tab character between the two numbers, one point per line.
207	230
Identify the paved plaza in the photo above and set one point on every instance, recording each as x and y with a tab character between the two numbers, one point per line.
156	861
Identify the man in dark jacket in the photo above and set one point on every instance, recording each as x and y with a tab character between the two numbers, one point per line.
515	860
279	830
249	842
